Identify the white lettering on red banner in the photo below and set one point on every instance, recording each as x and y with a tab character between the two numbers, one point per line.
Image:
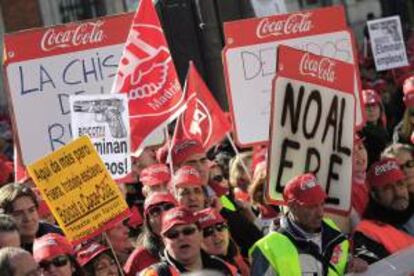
295	23
323	69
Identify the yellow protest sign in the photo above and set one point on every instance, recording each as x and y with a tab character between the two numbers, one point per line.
78	189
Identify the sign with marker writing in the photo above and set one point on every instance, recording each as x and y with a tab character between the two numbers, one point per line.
312	125
387	43
45	66
250	62
105	119
79	191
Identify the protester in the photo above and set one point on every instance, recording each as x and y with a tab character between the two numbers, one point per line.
306	243
54	254
182	239
17	262
217	240
21	203
404	130
149	242
155	178
385	228
97	260
9	233
118	235
239	178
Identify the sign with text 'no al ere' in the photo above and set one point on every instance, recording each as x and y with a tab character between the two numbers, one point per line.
250	61
79	190
312	125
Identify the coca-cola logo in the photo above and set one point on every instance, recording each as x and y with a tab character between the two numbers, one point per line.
83	34
295	23
323	69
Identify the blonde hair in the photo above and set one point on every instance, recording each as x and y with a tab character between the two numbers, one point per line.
236	167
406	128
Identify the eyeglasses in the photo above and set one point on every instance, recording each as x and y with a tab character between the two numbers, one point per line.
217	178
187	231
408	164
158	209
210	230
59	261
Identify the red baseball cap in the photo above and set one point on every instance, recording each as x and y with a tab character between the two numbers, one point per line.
89	252
50	246
158	198
208	217
184	149
187	176
408	90
305	190
370	96
155	174
176	216
385	172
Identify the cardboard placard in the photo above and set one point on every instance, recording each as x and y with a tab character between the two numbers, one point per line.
105	119
79	191
250	60
268	7
387	43
312	125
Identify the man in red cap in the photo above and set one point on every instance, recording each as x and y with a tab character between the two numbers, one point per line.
381	232
155	178
306	243
182	239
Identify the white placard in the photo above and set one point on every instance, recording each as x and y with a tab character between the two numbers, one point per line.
387	43
268	7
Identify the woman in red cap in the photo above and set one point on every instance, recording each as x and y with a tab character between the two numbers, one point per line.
97	260
53	253
217	240
149	242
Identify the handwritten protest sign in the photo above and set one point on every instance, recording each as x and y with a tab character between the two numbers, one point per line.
79	190
44	66
312	125
105	119
387	43
268	7
250	57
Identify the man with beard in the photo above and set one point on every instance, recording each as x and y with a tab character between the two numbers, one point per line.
381	233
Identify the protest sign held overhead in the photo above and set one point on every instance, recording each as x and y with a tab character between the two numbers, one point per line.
147	75
44	66
250	57
79	191
312	125
387	43
203	119
105	119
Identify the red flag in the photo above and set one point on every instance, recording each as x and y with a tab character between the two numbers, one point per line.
147	74
203	119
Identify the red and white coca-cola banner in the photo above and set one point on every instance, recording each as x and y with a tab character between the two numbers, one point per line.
147	75
249	60
312	125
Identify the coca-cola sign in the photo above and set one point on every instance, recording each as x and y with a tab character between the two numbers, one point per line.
295	23
83	34
323	68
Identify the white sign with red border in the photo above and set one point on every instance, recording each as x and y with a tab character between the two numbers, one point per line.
250	57
312	125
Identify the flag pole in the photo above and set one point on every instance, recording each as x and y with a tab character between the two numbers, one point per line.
246	170
118	264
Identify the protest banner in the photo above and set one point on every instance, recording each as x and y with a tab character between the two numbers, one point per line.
312	125
249	60
203	119
44	66
268	7
79	191
105	119
387	43
146	73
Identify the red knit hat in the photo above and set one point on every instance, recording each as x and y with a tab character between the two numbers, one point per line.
49	246
385	172
184	149
176	216
208	217
158	198
187	176
89	252
155	174
305	190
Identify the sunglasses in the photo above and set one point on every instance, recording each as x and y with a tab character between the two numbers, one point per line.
187	231
408	164
59	261
210	230
158	209
217	178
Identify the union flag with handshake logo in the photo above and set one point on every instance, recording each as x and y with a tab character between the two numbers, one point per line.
147	75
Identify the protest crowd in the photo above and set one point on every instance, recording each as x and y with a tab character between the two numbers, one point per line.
201	208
